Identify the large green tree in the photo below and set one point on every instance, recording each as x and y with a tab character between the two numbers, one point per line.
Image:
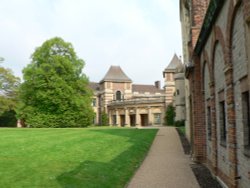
8	96
55	92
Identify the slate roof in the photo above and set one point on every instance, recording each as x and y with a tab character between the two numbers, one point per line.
174	63
116	74
94	86
146	88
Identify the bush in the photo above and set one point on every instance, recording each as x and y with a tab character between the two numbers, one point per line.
104	119
170	115
8	119
179	123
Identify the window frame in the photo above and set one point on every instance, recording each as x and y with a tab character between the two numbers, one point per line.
222	118
157	119
245	104
120	95
209	120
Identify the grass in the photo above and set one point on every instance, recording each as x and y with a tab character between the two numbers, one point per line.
91	157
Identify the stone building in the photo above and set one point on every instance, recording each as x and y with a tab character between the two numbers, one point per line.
128	104
216	50
179	95
174	86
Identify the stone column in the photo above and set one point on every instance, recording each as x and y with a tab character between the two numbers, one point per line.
137	118
118	123
110	118
150	120
127	123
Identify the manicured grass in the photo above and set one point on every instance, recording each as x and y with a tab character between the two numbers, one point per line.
91	157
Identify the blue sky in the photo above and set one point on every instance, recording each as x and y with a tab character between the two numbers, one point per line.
139	35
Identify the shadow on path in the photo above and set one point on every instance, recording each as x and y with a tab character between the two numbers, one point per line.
201	172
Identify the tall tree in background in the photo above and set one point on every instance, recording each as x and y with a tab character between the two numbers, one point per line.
8	96
55	92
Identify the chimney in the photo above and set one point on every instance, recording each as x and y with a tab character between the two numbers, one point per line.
158	84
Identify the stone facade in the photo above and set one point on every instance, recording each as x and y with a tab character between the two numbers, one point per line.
179	96
174	86
128	104
218	73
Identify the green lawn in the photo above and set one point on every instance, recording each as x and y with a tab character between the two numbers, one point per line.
90	157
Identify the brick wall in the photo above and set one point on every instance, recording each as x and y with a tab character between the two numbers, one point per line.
198	110
228	48
239	62
220	84
198	12
206	81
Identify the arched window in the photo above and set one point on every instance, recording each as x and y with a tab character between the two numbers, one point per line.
118	95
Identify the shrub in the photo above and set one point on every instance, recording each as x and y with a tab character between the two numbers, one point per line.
179	123
170	115
8	119
104	119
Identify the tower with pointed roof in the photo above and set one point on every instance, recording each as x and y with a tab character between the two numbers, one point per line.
169	80
116	85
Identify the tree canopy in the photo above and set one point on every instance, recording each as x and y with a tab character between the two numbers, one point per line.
55	92
8	96
8	89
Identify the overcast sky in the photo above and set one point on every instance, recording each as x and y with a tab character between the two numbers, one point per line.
139	35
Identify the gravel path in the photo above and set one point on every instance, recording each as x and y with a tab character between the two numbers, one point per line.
166	165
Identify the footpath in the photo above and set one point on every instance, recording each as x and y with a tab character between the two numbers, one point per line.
166	165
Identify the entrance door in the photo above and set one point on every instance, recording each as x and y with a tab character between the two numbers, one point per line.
132	120
144	119
114	120
122	119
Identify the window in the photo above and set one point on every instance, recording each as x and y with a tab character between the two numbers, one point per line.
157	119
246	118
244	86
223	133
118	96
177	92
94	102
209	131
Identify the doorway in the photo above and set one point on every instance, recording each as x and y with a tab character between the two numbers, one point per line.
144	119
132	120
122	119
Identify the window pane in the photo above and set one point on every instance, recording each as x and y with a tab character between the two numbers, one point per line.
157	119
222	121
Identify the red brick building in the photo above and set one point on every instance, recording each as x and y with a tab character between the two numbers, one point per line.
216	51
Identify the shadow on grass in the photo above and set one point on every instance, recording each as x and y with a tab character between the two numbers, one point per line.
115	173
